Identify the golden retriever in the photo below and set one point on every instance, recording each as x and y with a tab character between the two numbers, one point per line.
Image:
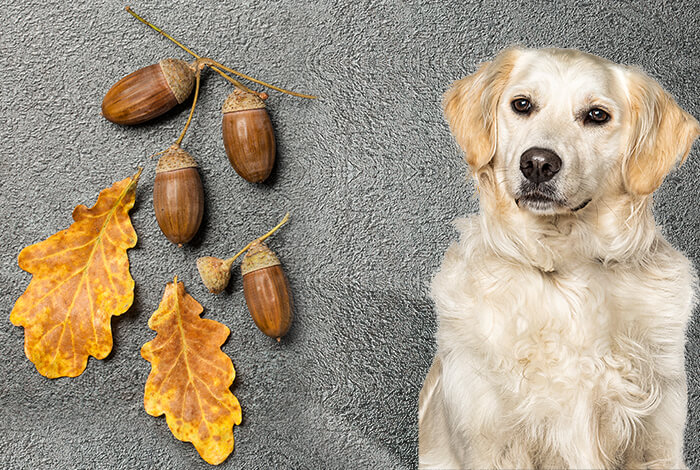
562	310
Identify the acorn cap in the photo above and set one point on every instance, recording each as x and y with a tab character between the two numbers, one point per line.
241	100
180	77
257	257
175	158
215	273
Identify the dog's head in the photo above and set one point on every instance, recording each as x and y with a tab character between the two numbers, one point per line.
552	127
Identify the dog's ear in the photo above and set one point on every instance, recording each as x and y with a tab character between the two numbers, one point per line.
661	134
470	108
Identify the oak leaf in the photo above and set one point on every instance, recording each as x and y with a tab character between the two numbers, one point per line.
80	279
190	375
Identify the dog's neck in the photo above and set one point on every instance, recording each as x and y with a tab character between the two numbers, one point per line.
612	230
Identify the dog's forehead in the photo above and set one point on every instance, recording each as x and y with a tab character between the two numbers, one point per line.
564	69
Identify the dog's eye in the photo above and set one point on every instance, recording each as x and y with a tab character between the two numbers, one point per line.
597	116
521	106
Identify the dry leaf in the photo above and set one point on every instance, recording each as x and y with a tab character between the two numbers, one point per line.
80	280
190	375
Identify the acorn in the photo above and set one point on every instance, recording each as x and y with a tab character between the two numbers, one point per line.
266	291
265	285
215	273
149	92
248	136
178	196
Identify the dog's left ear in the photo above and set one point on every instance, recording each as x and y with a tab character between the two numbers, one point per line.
661	135
470	108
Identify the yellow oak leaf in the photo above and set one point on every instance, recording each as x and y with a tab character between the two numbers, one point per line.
80	279
190	375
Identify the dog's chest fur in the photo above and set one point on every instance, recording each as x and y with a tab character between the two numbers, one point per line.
585	340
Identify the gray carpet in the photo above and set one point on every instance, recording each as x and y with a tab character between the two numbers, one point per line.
369	172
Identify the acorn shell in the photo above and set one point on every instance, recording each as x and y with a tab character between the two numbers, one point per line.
149	92
249	138
178	196
266	291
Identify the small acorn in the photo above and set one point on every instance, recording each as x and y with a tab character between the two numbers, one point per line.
178	196
248	136
215	273
266	291
149	92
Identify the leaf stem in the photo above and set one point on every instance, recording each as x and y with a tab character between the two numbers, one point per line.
258	240
216	65
136	176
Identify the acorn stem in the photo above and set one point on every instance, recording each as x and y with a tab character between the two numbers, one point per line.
260	82
133	13
197	76
185	48
284	220
212	63
158	153
234	81
216	65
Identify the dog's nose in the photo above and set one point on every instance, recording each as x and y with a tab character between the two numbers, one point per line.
539	165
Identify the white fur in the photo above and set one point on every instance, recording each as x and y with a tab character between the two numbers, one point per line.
561	334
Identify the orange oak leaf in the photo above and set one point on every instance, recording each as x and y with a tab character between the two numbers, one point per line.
80	279
190	375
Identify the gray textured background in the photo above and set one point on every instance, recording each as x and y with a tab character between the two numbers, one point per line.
369	172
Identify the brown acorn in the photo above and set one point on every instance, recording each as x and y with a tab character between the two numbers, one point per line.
266	291
149	92
178	197
216	272
248	136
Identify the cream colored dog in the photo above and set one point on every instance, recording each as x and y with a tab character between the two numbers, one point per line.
562	310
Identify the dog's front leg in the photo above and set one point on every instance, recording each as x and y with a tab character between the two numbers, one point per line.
486	435
661	445
462	425
435	448
497	453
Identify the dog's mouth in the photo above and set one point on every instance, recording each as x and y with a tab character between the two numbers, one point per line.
544	200
538	202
